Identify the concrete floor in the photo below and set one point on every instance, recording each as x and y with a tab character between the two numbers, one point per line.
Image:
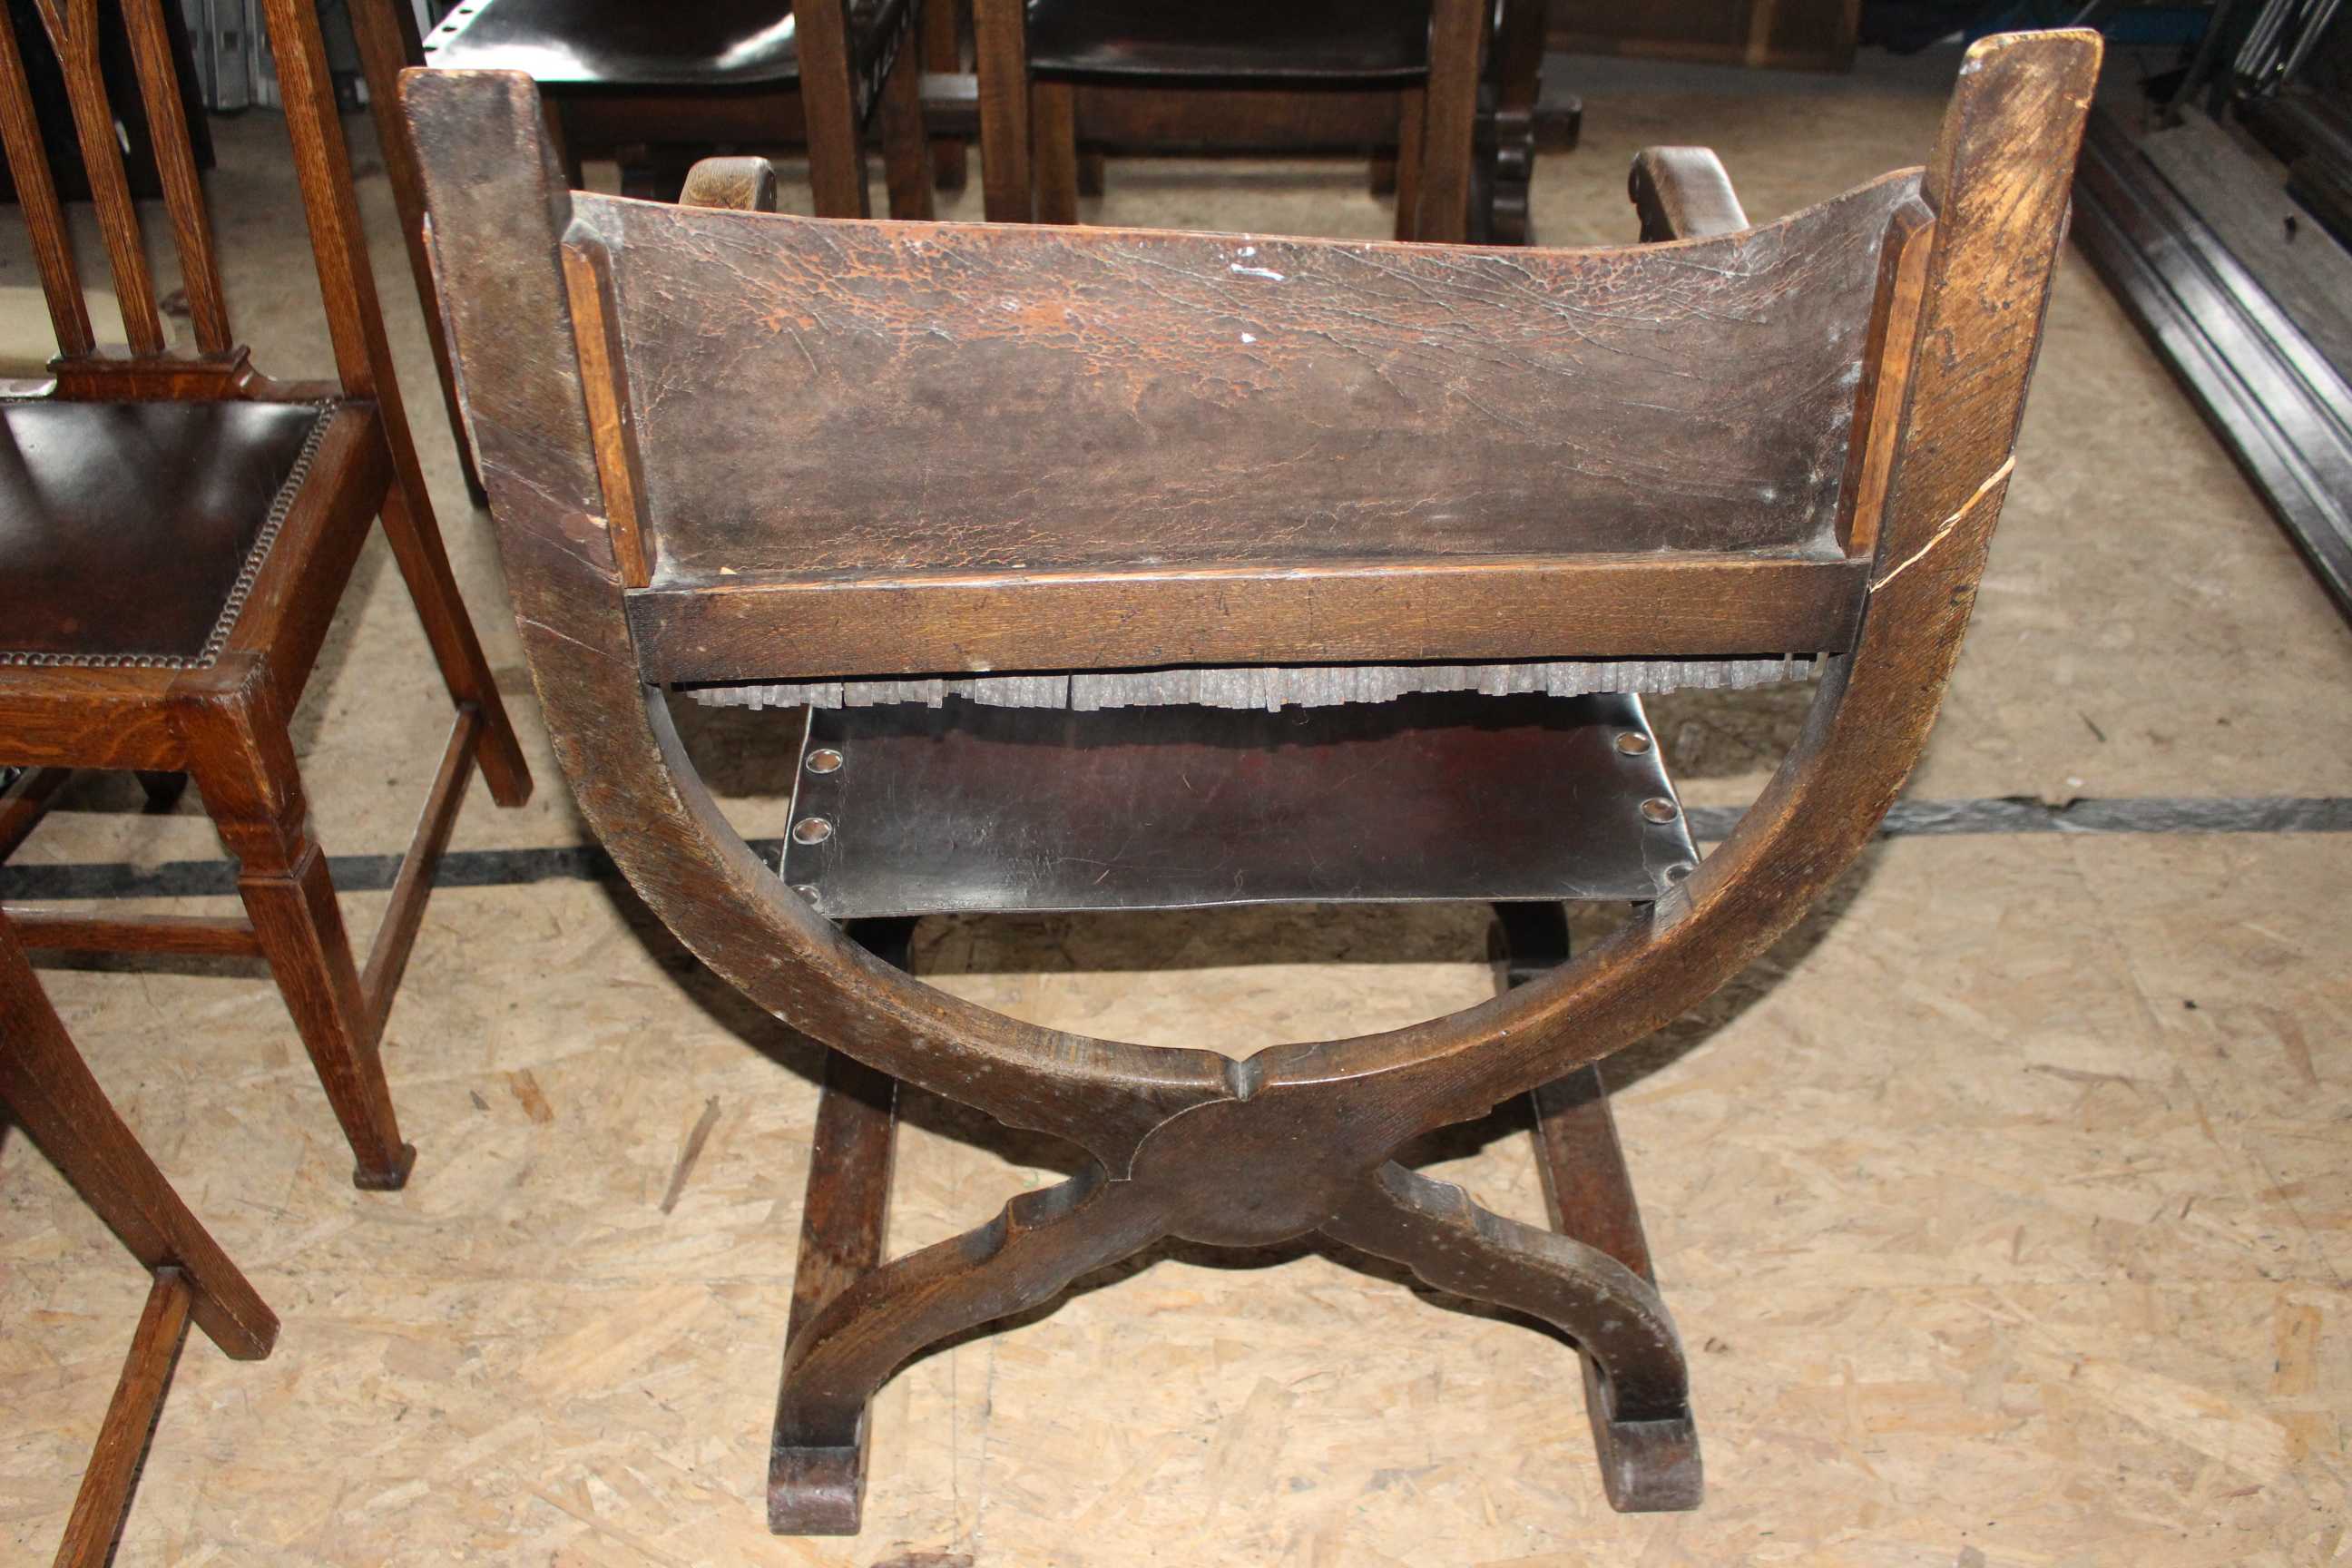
2005	1206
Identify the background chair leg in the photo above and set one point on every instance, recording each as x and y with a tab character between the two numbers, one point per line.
1053	142
1449	123
25	801
906	161
243	760
943	56
1093	171
1025	1257
164	789
1412	110
999	44
103	1501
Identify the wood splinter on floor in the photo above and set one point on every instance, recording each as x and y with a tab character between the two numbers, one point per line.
690	1153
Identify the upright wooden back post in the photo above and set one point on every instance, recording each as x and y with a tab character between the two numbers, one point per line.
1620	498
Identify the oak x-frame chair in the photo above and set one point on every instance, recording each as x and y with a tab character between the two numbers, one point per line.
48	1089
176	532
1110	473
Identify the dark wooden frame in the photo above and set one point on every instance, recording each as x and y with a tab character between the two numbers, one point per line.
1424	137
224	721
49	1092
1299	1138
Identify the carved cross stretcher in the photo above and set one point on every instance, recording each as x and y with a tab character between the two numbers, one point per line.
726	446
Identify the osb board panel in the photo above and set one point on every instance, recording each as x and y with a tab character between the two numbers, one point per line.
1989	1247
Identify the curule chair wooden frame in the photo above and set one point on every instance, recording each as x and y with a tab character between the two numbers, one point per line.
219	712
570	316
48	1088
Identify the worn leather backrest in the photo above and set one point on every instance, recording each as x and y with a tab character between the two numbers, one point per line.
813	396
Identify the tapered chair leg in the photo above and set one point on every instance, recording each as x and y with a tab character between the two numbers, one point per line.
243	761
820	1487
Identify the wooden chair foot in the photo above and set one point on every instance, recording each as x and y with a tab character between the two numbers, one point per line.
388	1178
818	1490
1649	1465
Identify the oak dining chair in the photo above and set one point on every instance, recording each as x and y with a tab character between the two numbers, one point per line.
176	532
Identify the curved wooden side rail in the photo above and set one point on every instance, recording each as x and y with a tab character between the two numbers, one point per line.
1293	1139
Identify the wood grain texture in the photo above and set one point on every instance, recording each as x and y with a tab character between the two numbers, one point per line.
1886	377
105	1495
960	398
1338	612
214	936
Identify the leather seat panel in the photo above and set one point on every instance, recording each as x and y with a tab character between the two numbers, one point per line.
126	527
630	44
1232	40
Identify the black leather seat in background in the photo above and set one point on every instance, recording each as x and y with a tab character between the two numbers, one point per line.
1235	41
91	568
637	44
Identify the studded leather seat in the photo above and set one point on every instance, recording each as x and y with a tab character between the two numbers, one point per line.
630	44
92	570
